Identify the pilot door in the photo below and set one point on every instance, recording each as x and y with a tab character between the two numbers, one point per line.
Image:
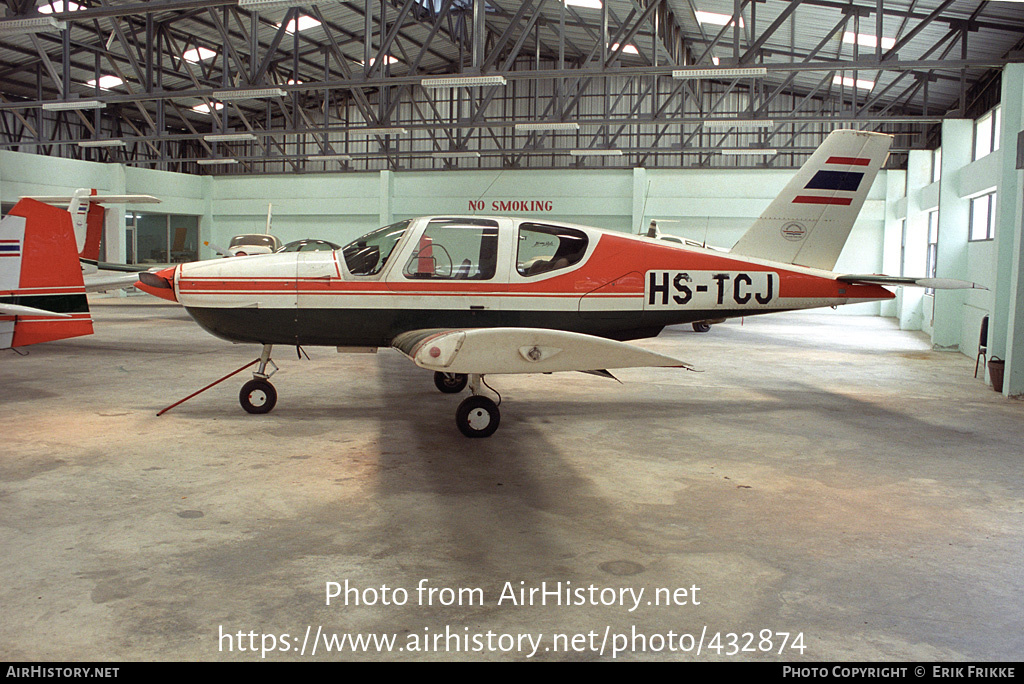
452	273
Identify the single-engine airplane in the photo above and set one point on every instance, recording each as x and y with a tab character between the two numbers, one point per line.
471	296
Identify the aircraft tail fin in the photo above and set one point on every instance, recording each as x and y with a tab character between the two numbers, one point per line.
42	294
809	222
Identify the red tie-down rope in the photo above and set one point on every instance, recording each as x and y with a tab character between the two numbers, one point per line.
182	401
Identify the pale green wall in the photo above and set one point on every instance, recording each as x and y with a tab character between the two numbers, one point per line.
953	317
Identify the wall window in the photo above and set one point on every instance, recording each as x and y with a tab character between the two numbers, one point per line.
933	247
903	245
983	217
161	238
936	165
986	132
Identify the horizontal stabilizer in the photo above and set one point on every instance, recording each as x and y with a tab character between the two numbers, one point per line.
522	350
934	283
18	310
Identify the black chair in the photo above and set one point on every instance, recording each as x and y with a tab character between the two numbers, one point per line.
982	344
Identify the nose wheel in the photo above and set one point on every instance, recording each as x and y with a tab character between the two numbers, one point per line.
257	396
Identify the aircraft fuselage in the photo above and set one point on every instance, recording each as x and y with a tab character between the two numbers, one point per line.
474	272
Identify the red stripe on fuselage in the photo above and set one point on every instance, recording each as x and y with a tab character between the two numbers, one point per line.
617	268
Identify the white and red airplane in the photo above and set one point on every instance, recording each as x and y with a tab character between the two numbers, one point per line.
471	296
42	294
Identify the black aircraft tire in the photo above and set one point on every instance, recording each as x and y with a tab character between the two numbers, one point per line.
701	327
258	396
477	417
450	383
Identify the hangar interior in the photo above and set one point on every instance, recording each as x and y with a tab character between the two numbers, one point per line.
840	470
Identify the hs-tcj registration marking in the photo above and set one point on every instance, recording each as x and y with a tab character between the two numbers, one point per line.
707	289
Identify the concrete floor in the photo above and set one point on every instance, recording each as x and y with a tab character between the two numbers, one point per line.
825	475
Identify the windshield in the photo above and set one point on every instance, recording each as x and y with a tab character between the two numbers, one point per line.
368	255
309	246
259	240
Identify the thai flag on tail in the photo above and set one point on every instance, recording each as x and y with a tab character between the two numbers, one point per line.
845	181
10	248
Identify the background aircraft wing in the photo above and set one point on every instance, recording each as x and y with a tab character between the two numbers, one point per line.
103	282
522	350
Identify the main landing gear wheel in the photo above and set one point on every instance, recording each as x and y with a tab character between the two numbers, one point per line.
450	383
478	416
701	327
257	396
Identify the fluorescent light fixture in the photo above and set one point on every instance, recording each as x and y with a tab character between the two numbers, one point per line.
588	4
211	162
73	105
742	72
101	143
58	6
628	50
848	81
596	153
204	108
748	150
252	94
270	4
105	82
715	60
738	123
331	157
462	81
548	126
455	155
228	137
379	131
31	25
388	60
198	54
716	18
304	22
868	40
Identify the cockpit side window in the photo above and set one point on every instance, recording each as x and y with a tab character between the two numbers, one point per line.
367	255
455	249
544	248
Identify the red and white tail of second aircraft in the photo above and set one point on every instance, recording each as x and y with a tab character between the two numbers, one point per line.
85	206
466	296
42	294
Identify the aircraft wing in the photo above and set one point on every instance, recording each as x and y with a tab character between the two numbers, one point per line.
935	283
522	350
110	199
